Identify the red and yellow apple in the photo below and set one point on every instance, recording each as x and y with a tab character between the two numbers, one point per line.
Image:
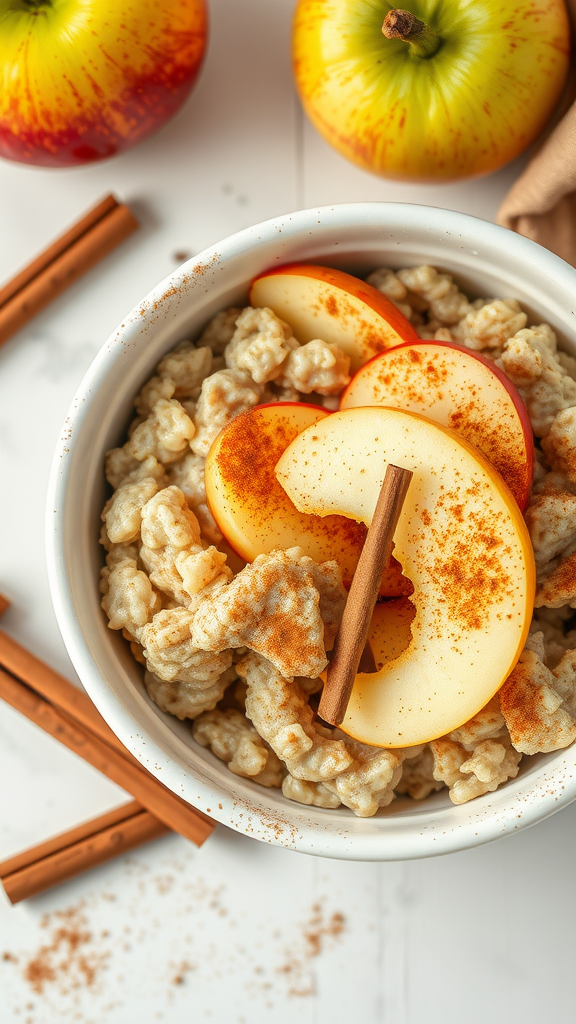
319	302
462	542
459	389
254	512
461	95
86	79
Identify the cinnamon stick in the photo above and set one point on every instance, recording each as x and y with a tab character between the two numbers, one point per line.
73	852
164	804
70	256
4	603
68	838
353	632
56	249
20	662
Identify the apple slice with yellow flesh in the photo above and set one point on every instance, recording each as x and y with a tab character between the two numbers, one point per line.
459	389
461	540
390	629
254	512
319	302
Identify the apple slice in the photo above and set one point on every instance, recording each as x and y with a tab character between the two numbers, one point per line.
459	389
319	302
254	512
463	543
391	630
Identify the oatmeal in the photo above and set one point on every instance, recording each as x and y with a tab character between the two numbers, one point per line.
239	649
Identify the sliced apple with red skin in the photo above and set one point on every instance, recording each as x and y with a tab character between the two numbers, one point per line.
254	512
459	389
461	540
319	302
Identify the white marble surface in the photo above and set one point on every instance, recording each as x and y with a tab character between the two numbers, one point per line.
236	931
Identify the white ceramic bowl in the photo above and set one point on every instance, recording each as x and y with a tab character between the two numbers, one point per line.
486	260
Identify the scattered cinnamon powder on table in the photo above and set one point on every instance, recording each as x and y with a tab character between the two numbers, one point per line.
181	972
297	966
74	970
68	959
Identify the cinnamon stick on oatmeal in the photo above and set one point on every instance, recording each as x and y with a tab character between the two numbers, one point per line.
353	632
78	850
70	256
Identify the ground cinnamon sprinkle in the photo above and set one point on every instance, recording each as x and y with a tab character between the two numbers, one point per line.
318	929
403	384
344	310
256	445
282	634
469	573
252	450
182	971
66	959
81	973
521	703
499	445
560	583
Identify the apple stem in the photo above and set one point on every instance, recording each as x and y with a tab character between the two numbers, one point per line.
403	25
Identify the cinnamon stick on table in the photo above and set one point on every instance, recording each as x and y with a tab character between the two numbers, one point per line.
165	805
68	714
353	632
20	662
70	256
69	854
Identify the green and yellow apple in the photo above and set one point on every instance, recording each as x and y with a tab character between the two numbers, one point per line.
462	542
85	79
460	389
319	302
254	512
445	89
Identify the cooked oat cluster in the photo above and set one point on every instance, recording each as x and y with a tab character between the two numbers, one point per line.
240	652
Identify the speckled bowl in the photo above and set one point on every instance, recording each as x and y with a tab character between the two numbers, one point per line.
486	260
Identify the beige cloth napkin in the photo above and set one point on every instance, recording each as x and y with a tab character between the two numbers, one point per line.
542	202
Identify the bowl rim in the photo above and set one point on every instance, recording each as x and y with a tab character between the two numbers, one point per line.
482	822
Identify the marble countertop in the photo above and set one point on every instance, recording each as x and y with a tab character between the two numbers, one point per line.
237	931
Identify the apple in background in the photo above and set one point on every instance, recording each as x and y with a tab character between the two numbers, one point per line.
446	90
459	389
254	512
86	79
461	540
319	302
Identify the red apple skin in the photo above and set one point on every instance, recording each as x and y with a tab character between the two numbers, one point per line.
108	75
519	478
373	342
